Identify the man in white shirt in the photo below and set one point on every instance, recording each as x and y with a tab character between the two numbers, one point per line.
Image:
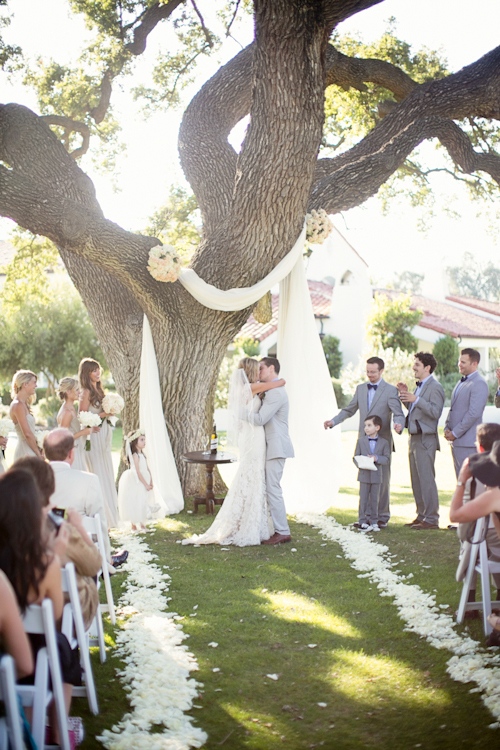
78	489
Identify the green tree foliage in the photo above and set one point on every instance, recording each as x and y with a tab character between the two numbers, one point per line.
447	352
26	274
177	222
10	56
390	322
408	282
251	347
351	114
50	336
333	355
474	279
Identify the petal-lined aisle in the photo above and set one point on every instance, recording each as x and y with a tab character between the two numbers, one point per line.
157	665
470	661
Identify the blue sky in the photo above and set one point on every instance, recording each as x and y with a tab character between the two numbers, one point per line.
150	163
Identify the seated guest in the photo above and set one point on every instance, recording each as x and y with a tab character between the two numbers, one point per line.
484	467
80	550
33	571
80	489
486	435
13	639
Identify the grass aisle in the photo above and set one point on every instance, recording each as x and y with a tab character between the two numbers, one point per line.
266	607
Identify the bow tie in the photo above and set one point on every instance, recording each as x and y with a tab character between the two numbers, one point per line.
371	385
375	438
418	383
463	378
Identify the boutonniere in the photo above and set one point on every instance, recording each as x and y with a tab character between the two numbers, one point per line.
262	396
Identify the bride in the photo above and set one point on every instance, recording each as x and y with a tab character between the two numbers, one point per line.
244	519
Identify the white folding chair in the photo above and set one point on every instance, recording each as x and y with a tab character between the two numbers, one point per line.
72	622
11	728
92	525
40	620
485	568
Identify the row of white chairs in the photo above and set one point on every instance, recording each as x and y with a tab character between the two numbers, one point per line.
478	564
39	619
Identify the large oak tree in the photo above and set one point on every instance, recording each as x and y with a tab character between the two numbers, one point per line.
252	203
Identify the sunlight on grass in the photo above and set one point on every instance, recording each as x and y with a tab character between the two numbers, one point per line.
367	678
288	605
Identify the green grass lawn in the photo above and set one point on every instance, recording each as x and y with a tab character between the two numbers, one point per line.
266	606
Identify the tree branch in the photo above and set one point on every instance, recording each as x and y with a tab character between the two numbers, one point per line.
71	126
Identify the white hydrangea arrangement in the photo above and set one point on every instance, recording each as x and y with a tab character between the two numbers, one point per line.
164	263
89	419
39	436
6	426
113	404
319	226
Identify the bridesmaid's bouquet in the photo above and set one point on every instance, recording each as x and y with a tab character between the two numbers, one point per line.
318	225
39	437
89	419
6	426
113	404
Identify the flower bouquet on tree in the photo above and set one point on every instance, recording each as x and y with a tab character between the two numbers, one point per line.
113	404
164	263
89	419
318	225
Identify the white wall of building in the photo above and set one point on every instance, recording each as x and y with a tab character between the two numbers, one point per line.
336	262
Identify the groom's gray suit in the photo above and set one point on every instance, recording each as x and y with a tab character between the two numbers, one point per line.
273	416
385	402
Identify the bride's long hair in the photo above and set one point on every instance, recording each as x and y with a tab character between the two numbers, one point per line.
250	367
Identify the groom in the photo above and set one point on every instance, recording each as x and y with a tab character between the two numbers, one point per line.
273	416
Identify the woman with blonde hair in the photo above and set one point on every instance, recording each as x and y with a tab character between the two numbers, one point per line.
23	396
98	458
244	518
67	417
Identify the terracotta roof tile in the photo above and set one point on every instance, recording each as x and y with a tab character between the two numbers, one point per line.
447	319
321	298
477	304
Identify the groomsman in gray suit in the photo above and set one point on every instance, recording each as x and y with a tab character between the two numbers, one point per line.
467	405
425	407
273	416
376	398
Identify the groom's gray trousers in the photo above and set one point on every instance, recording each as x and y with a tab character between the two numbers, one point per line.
274	472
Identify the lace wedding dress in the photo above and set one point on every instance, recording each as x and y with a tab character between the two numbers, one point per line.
244	518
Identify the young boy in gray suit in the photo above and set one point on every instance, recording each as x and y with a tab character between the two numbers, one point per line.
376	448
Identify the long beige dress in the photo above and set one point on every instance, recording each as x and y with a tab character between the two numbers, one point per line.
22	447
79	462
98	460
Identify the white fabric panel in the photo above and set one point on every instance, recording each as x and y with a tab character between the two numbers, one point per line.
166	484
311	479
238	299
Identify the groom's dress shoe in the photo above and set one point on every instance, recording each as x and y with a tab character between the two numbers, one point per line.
277	539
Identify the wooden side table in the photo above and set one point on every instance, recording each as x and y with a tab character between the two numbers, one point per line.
209	460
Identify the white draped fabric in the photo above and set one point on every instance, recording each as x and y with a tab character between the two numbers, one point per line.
311	479
238	299
166	484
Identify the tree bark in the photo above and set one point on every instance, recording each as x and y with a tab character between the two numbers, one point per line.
253	204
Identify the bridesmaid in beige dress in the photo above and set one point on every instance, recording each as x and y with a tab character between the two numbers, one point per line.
68	393
98	458
24	395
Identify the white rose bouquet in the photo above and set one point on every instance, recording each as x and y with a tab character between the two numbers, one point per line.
39	436
113	404
89	419
164	263
319	226
6	426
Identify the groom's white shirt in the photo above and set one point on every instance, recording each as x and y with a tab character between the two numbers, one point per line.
80	490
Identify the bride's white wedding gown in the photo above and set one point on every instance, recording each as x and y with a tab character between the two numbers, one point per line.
244	518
